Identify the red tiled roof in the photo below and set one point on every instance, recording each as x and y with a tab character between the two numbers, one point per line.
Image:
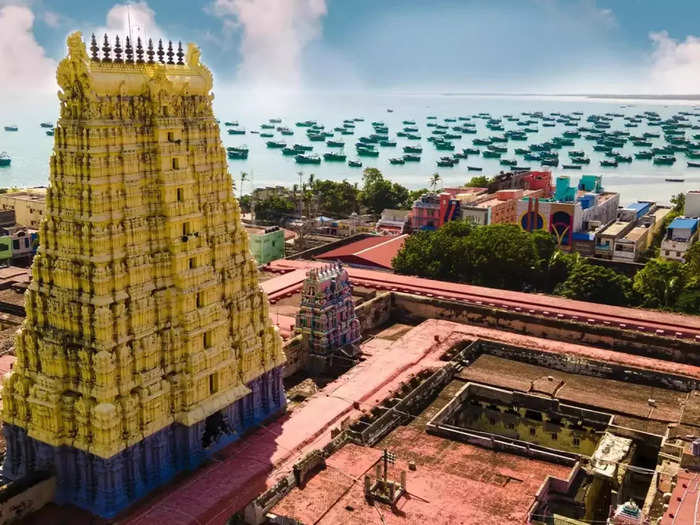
372	251
683	506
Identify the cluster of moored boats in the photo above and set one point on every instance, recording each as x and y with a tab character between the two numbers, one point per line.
609	133
5	158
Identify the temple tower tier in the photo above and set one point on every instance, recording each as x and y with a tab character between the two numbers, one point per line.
147	344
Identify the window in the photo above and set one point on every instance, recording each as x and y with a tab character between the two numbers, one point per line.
492	420
200	299
213	383
171	136
26	242
15	244
554	435
180	195
532	431
192	263
186	228
176	163
165	111
206	339
577	441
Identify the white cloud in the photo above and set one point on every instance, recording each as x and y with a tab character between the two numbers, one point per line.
675	67
51	18
26	68
137	19
274	35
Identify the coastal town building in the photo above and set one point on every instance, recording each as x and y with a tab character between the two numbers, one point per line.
393	222
571	213
29	205
680	236
692	204
266	243
147	344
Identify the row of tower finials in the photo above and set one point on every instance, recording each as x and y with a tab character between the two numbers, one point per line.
128	52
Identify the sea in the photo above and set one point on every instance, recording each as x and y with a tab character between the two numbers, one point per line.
30	147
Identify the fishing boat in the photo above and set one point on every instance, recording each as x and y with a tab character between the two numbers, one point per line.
397	160
676	180
335	143
643	155
474	168
409	157
694	164
11	127
267	126
508	162
308	158
275	120
267	135
387	143
236	131
623	158
5	159
580	160
488	154
444	146
291	151
49	132
571	166
46	124
446	163
366	152
334	156
285	131
550	161
314	137
608	163
275	144
355	163
665	160
412	149
237	152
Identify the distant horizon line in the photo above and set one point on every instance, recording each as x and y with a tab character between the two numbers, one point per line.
587	95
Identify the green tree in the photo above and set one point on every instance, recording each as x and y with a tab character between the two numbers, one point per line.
336	198
678	202
659	283
273	208
244	203
434	181
597	284
379	193
499	255
480	181
559	267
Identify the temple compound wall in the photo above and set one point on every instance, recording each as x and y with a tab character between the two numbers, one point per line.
147	344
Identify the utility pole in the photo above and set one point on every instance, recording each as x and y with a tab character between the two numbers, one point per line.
301	194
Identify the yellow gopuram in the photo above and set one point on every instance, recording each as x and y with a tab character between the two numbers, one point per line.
147	344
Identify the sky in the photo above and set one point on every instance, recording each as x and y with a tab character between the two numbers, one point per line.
421	46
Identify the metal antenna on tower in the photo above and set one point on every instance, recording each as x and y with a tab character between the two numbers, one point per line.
128	17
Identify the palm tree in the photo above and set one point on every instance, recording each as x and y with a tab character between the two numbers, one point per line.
434	181
244	176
